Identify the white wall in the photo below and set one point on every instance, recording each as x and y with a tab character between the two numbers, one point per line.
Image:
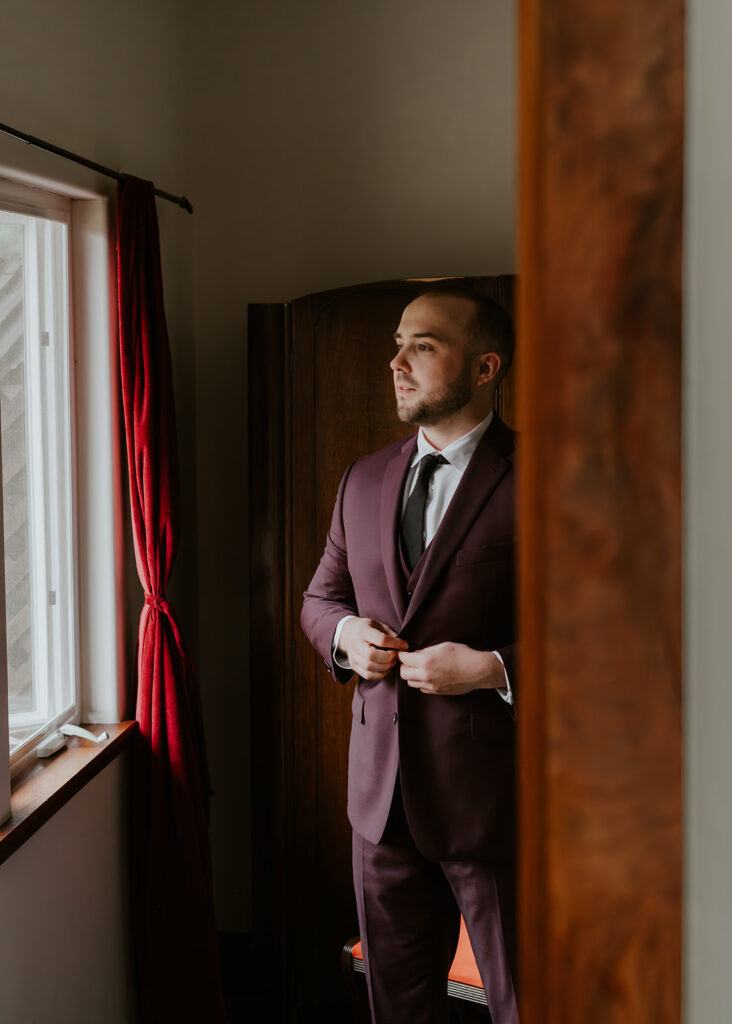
334	143
708	532
65	953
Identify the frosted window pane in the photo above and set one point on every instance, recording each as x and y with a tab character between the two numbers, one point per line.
36	474
15	469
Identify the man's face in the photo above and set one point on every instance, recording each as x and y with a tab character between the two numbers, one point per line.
433	368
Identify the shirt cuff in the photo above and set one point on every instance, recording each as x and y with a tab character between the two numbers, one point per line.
342	661
507	694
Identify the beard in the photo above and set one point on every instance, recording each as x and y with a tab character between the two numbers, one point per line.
441	405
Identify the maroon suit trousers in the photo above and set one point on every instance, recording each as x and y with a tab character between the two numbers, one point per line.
409	918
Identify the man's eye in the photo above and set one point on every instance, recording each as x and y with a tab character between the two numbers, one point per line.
424	348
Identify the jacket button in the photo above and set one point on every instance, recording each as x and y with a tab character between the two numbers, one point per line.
395	719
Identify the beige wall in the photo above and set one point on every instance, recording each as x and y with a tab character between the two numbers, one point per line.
65	954
708	531
106	81
322	144
109	82
334	143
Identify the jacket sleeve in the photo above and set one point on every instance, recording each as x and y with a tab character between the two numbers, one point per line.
330	594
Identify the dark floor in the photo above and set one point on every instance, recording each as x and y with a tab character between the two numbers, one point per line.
250	1002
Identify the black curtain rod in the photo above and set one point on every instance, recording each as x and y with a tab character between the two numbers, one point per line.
50	148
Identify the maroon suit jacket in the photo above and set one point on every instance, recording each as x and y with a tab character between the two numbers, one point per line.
456	754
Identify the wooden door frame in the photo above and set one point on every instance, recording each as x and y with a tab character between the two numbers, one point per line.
601	157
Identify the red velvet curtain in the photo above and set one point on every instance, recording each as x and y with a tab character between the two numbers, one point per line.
173	921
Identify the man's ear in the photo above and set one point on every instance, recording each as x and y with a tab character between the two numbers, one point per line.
488	367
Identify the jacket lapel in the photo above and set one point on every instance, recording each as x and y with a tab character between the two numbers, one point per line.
486	467
391	491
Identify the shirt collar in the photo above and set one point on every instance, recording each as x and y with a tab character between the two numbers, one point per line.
458	452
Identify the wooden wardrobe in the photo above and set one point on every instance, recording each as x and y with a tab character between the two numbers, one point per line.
320	396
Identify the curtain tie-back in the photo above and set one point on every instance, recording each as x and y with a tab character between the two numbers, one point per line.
157	601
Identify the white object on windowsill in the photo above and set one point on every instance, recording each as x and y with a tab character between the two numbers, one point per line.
51	745
76	730
57	740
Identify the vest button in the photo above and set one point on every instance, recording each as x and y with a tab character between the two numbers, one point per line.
395	719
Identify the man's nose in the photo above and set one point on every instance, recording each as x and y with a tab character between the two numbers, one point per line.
399	362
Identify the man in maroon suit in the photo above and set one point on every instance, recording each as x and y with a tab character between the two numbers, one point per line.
415	594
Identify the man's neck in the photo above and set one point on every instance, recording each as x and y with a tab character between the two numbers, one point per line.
440	435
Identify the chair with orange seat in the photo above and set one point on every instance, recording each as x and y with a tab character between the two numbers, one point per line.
463	982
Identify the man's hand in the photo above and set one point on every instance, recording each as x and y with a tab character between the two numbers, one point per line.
362	640
451	669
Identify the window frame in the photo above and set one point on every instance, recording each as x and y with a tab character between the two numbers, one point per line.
96	457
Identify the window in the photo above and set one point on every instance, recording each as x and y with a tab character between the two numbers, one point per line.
62	553
37	492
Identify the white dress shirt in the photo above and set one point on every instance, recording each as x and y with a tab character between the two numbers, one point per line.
443	484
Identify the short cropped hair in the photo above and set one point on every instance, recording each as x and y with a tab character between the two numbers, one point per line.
491	329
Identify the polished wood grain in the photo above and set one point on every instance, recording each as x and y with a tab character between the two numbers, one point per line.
331	403
48	783
600	579
343	407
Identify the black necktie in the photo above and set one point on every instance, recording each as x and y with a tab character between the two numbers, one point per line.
413	520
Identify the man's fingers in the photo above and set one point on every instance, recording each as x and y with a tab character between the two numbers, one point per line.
412	659
370	663
383	627
376	657
376	638
412	675
421	686
368	671
369	653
